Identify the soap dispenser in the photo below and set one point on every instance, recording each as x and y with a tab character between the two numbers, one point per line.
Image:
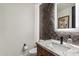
69	39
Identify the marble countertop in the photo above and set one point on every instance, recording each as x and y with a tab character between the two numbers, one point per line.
73	51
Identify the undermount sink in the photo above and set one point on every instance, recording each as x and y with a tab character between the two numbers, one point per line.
59	47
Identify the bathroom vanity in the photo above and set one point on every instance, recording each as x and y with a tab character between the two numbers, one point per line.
54	48
42	51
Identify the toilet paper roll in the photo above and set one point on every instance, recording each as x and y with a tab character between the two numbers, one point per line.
25	47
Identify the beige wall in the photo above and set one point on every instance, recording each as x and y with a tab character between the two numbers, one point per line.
16	27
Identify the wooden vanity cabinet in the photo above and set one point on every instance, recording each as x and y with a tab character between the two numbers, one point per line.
43	52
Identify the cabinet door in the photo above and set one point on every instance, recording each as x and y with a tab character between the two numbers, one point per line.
42	52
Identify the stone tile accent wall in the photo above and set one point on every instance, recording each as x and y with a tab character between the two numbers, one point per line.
46	21
74	36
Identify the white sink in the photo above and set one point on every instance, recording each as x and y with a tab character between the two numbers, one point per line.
59	47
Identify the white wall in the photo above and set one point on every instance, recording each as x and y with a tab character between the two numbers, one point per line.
16	27
37	19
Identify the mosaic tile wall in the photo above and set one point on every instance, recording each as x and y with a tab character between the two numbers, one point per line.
46	21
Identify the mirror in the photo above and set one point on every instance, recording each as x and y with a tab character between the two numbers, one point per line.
66	15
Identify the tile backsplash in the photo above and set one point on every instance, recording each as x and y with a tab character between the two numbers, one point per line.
74	36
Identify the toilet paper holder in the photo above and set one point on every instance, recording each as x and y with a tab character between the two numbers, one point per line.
25	47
